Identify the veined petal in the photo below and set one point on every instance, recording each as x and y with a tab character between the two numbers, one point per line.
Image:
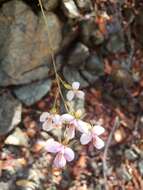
80	94
47	126
66	118
69	154
82	126
53	146
44	116
98	142
70	131
75	85
70	95
59	161
57	119
85	138
98	130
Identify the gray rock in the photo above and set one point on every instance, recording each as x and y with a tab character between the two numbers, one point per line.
90	35
124	174
72	74
140	166
17	138
31	93
116	44
10	113
114	27
89	76
130	155
70	9
85	5
93	68
95	65
50	5
24	43
78	55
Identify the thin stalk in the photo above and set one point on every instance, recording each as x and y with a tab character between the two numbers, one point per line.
52	56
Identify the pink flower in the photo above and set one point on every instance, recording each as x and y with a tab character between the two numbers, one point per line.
63	153
50	121
73	123
75	92
92	136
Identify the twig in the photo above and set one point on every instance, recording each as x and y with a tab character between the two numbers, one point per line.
105	154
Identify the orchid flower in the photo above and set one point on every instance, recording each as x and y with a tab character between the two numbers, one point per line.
92	136
73	123
63	153
75	92
50	121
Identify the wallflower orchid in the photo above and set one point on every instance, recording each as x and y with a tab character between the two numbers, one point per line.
63	153
50	120
92	136
73	123
75	92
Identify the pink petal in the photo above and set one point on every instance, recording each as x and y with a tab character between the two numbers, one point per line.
59	161
98	143
70	95
75	85
85	138
53	146
70	132
47	126
44	116
66	118
98	130
81	126
57	119
80	94
69	154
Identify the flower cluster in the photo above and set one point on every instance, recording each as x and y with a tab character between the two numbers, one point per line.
70	123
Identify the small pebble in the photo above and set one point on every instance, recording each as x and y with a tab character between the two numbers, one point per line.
130	155
140	166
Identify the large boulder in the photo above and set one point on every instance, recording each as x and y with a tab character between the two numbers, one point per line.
24	43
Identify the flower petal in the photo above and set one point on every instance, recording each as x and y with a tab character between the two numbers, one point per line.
98	130
98	143
82	126
75	85
66	118
57	119
70	95
69	154
80	94
53	146
59	161
44	116
85	138
70	131
47	125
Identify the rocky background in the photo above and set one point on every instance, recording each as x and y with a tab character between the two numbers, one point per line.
96	42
